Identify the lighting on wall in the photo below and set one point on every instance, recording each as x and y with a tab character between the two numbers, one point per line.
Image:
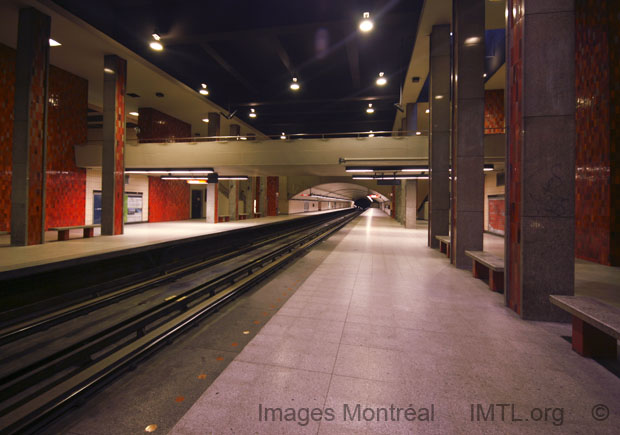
359	170
169	171
428	111
205	120
252	113
370	109
203	90
155	44
54	43
474	40
366	24
108	70
418	133
134	113
283	136
294	85
381	81
234	177
439	97
371	134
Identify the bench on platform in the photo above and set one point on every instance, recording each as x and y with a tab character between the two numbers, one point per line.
257	214
488	266
63	232
4	233
444	244
243	216
223	218
596	325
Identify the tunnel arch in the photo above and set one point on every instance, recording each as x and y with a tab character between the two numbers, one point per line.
355	194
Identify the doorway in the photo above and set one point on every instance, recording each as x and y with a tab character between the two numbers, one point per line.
196	204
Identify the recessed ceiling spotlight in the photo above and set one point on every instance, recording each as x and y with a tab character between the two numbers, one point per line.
206	120
366	24
203	90
54	43
370	109
155	44
252	113
381	81
134	113
283	136
484	75
294	84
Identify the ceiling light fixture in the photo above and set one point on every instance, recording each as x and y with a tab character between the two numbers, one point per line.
54	43
366	24
252	113
359	170
283	136
294	84
439	97
418	133
428	110
108	70
134	113
243	138
371	134
381	81
155	44
203	90
205	120
472	41
370	109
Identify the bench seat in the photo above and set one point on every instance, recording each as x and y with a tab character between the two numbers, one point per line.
444	244
63	232
223	218
488	266
596	325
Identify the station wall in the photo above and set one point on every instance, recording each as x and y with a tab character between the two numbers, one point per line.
168	200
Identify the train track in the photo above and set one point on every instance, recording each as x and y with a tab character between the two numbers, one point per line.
33	395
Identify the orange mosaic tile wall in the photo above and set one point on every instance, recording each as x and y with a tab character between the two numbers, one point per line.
494	111
67	109
168	200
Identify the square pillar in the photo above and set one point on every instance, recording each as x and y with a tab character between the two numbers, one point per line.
540	182
411	201
233	200
212	200
30	129
439	135
467	221
113	163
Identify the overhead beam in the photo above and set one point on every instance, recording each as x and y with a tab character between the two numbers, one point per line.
354	62
284	57
228	67
390	97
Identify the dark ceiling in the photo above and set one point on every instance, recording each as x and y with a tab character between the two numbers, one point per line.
248	51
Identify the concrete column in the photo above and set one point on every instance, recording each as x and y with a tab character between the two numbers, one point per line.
439	135
411	189
113	163
540	185
468	131
234	130
30	129
411	114
250	194
212	200
213	128
283	195
233	200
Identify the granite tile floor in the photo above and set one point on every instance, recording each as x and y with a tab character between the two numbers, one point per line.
384	323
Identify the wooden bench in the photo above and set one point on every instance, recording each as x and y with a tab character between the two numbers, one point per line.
63	232
223	218
444	244
257	214
488	266
243	216
596	325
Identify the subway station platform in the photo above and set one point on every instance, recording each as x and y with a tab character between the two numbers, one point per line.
382	322
135	236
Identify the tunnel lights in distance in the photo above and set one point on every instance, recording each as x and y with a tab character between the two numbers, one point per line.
366	24
252	113
381	80
370	109
294	84
203	89
155	43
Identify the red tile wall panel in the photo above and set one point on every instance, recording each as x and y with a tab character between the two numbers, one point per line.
7	98
515	144
592	123
66	127
168	200
119	151
273	186
497	218
494	111
156	126
614	114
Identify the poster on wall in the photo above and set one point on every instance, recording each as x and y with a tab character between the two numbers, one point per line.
133	207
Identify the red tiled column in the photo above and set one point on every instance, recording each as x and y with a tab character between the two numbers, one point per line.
30	128
540	184
113	166
272	196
